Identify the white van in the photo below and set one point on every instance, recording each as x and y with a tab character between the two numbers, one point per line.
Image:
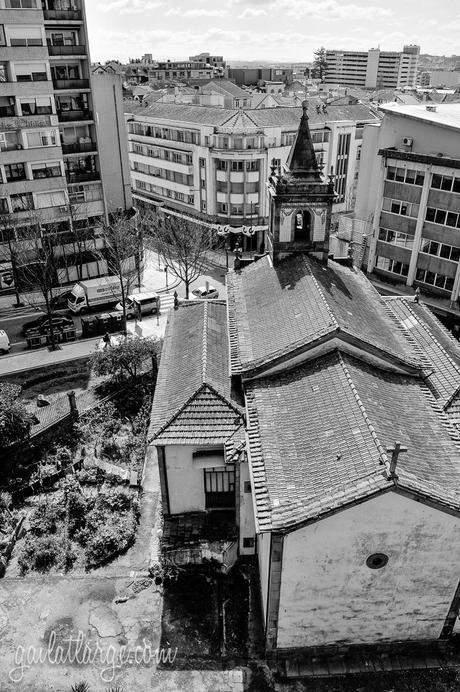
140	303
4	342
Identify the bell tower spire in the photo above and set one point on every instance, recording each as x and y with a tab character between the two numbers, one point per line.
300	201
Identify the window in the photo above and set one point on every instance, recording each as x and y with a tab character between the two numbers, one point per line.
202	163
446	183
22	202
248	542
31	72
4	72
236	210
393	266
55	198
252	165
237	165
222	208
237	188
396	206
46	138
247	487
21	4
37	106
15	171
222	165
25	36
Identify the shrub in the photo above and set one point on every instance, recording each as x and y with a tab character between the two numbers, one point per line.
77	507
113	536
40	553
44	519
115	499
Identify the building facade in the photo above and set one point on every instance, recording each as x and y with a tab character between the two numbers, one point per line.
373	69
58	126
408	198
215	161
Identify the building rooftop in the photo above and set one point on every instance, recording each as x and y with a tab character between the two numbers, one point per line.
446	114
319	435
193	402
278	312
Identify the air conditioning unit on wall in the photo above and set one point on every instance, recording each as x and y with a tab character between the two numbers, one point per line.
408	141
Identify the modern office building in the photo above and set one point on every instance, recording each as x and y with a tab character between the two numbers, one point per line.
62	131
373	69
408	199
214	162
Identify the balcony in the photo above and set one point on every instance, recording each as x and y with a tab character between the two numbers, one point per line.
66	50
63	15
83	177
74	116
79	147
70	84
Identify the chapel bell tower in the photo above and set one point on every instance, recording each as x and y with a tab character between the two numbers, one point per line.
300	202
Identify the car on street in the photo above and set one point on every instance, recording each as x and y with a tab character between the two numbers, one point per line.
42	324
206	292
4	342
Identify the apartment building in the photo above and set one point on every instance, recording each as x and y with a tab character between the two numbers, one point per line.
373	69
214	162
216	61
58	127
408	199
196	70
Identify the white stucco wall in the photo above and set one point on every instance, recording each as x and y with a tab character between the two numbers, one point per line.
247	525
185	477
263	553
329	595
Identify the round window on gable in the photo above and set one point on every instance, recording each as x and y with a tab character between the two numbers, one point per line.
377	560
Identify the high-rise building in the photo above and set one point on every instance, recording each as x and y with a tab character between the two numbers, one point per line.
373	69
408	201
59	125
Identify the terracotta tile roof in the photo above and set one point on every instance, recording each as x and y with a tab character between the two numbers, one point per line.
318	437
437	345
193	402
276	311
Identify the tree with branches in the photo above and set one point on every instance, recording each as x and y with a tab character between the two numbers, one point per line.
15	420
319	62
181	243
123	251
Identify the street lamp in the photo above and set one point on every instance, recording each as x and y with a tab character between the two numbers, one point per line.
166	272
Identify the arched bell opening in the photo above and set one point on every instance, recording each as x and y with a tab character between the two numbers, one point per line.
302	226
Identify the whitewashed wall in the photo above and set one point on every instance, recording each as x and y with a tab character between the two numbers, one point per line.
329	595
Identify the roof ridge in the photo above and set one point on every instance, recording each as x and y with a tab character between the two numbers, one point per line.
257	465
223	398
382	451
204	353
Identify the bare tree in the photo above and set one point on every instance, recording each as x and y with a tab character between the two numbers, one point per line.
123	250
182	244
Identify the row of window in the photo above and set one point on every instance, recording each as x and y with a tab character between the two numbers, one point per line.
225	142
405	175
438	280
443	217
31	140
391	265
166	174
396	206
188	136
396	238
223	165
14	172
432	247
27	201
245	210
183	158
447	183
163	192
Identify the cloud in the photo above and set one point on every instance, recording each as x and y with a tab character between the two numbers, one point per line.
250	12
201	12
131	6
324	9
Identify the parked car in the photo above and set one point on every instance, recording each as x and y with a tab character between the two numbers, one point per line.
4	342
206	292
61	302
42	324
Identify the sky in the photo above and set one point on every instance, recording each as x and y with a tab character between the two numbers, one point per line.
269	30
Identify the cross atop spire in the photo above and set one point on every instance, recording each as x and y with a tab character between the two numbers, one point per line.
302	159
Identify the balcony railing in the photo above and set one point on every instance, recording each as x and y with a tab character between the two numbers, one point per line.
71	83
73	116
72	15
66	50
78	147
82	177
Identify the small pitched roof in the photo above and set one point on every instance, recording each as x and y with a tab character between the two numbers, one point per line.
224	86
193	402
318	438
302	158
277	312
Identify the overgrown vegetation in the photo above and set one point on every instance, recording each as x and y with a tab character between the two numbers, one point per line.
124	360
14	417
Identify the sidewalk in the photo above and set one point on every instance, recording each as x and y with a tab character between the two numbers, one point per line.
28	360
